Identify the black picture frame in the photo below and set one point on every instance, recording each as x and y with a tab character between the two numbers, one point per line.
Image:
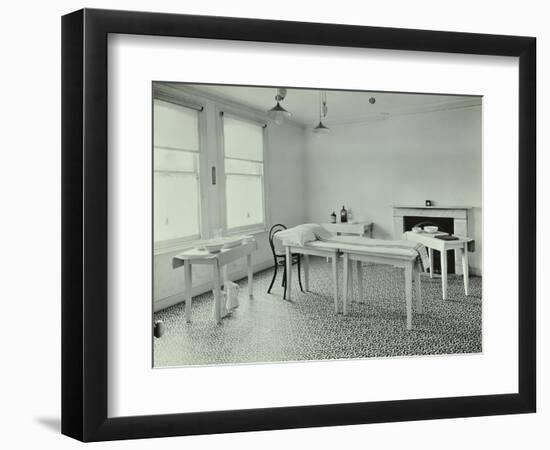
84	224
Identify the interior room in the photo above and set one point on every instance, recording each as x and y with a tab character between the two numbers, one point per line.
296	224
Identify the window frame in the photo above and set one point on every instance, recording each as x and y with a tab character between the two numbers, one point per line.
221	173
165	94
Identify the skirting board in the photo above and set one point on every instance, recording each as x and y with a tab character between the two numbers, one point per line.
166	302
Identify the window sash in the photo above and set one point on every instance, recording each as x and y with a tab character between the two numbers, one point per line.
252	167
241	132
172	208
175	125
234	166
251	195
173	159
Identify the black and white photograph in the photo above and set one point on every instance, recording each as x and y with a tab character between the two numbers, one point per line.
300	224
292	225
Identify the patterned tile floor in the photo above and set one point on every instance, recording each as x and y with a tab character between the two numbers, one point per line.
270	329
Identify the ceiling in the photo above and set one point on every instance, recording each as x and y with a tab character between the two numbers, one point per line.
343	106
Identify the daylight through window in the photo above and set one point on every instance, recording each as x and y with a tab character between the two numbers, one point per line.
244	173
176	173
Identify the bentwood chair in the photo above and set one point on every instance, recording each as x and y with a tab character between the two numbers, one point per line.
279	259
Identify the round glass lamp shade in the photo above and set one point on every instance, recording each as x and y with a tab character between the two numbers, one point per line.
278	113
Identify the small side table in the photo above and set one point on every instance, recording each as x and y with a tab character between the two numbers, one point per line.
432	243
218	261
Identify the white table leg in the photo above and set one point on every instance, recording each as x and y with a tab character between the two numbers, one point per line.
360	282
225	277
465	269
250	275
444	273
346	279
352	276
431	256
217	294
418	290
223	299
288	273
306	272
408	294
335	280
188	282
351	293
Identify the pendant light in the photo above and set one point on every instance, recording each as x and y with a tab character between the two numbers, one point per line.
321	128
278	113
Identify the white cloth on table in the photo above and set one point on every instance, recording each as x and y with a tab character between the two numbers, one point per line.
311	234
385	246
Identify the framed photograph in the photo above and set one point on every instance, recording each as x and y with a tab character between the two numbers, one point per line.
273	224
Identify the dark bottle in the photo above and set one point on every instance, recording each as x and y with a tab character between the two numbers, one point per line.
333	217
343	215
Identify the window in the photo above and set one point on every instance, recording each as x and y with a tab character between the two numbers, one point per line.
244	174
176	173
187	150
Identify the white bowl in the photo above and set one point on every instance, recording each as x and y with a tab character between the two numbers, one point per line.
431	229
416	229
232	242
213	247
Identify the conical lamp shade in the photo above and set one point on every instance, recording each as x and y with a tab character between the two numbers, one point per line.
321	128
278	113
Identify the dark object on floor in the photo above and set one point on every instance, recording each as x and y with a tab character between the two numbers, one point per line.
158	329
446	237
279	259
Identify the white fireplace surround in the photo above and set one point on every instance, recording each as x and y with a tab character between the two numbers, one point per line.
459	214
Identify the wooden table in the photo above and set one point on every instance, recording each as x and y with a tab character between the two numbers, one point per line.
433	243
359	228
218	261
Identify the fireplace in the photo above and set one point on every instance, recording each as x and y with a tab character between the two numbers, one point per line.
445	224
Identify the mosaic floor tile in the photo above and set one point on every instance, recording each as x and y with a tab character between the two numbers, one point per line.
270	329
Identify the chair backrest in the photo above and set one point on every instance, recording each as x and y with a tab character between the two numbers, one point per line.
272	232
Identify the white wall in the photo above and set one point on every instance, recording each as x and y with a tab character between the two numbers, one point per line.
284	174
369	167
